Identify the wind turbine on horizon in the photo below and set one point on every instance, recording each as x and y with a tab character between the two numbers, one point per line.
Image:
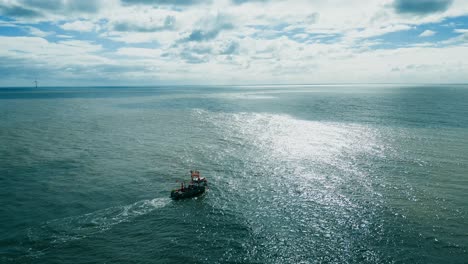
35	81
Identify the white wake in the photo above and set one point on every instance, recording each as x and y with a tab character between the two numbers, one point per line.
62	230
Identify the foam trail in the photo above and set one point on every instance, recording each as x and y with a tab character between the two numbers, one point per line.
77	227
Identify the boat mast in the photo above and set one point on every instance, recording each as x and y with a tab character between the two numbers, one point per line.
35	81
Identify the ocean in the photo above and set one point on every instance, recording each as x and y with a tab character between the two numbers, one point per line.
297	174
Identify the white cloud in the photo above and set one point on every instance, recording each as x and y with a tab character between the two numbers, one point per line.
259	41
375	31
79	25
461	39
139	52
64	36
39	33
427	33
51	53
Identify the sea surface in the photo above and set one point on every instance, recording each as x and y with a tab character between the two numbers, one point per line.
297	174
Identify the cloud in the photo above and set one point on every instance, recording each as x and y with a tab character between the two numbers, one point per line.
201	35
20	68
64	5
210	28
39	33
239	2
146	26
359	34
18	11
82	52
139	52
79	25
461	38
421	7
64	36
193	53
427	33
24	58
34	9
193	58
231	48
33	31
163	2
242	40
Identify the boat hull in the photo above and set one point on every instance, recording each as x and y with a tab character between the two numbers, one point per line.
188	193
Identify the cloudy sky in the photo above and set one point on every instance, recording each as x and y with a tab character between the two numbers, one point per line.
119	42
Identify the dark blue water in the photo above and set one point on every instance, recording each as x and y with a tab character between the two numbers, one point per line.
298	174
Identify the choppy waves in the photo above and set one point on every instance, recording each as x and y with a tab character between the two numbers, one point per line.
298	182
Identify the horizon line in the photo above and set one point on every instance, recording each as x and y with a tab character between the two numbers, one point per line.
231	85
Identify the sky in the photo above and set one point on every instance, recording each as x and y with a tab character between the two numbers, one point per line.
151	42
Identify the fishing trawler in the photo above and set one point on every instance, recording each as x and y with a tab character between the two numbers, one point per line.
197	186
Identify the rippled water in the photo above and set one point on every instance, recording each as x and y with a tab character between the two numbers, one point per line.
298	174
